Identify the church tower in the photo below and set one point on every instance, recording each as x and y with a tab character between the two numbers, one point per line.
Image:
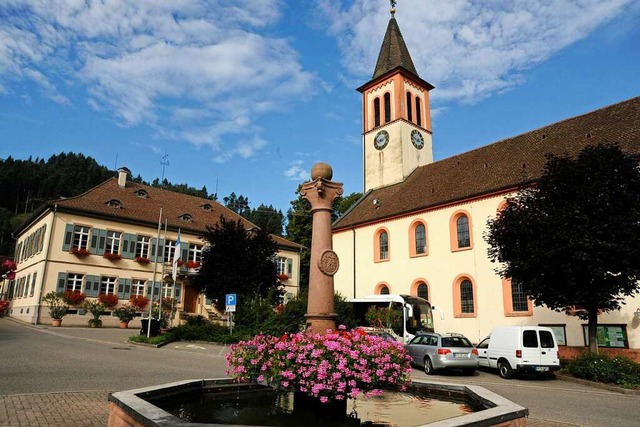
396	118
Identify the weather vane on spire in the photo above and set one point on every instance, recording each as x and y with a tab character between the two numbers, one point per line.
393	7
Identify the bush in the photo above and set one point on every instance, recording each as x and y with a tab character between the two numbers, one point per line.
108	300
160	339
209	332
601	368
74	297
139	301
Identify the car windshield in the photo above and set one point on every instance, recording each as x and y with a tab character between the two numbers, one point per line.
455	342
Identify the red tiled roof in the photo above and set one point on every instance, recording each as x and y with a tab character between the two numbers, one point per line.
146	210
499	167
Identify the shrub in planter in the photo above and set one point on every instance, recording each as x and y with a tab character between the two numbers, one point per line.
96	308
74	297
139	301
57	307
126	313
108	300
168	311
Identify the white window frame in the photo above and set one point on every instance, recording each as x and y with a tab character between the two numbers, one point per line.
138	287
74	282
108	284
195	253
281	265
80	237
143	247
114	240
169	250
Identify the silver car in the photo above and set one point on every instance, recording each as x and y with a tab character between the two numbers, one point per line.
434	351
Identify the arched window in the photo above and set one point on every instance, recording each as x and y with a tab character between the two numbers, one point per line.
516	302
384	290
423	291
376	112
384	245
462	230
409	107
460	227
421	239
381	245
466	297
387	107
418	112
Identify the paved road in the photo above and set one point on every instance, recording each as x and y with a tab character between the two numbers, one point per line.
62	376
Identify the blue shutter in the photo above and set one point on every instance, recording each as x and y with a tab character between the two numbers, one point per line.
120	289
129	246
160	249
42	236
176	293
33	284
93	241
62	282
102	241
127	288
289	267
92	286
185	252
156	289
68	238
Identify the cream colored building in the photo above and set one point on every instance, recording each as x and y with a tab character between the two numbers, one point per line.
419	227
66	245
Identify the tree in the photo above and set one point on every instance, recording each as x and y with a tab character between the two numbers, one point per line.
299	227
238	204
267	218
573	239
237	261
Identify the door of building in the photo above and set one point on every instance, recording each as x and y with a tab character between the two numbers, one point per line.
190	299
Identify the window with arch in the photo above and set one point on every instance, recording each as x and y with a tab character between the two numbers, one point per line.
376	112
409	107
464	297
381	245
418	239
418	112
387	107
384	290
460	231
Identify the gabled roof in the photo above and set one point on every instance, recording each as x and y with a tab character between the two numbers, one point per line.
189	213
394	52
502	166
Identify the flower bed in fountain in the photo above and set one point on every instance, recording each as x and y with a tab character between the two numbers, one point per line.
335	366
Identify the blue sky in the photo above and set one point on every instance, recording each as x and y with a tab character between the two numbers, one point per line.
249	94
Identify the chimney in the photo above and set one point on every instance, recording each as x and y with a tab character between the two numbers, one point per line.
122	177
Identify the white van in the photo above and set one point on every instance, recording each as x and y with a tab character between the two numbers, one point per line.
519	349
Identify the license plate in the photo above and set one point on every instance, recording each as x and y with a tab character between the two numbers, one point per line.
460	355
542	368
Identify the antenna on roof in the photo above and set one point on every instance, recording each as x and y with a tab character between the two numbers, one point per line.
115	166
164	162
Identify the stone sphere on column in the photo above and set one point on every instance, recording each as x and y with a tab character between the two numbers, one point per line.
321	170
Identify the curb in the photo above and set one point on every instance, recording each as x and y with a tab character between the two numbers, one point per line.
610	387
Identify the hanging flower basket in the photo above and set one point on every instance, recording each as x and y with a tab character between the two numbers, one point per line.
74	297
142	260
108	300
283	277
193	264
112	257
80	253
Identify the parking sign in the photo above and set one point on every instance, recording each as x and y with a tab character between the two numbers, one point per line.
230	302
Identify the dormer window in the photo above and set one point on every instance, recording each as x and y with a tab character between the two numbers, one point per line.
186	217
206	207
114	203
142	194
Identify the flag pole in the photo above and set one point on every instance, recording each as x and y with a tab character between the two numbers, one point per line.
177	254
153	282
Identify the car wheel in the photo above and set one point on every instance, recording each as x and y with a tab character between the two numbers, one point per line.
468	371
504	370
428	367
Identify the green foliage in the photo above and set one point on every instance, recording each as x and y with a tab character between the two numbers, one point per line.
237	261
125	313
267	218
96	308
382	317
57	307
614	370
209	332
574	238
157	340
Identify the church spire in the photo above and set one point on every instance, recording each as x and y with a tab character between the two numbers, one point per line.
394	52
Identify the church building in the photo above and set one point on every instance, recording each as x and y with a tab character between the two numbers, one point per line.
419	227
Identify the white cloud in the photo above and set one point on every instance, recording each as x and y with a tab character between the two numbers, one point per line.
468	49
194	70
295	172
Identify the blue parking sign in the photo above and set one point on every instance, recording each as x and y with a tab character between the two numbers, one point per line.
230	302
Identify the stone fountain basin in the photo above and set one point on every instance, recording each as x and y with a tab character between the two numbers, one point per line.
135	407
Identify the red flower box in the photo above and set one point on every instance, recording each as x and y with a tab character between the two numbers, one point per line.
112	257
108	300
142	260
283	277
193	264
74	297
80	253
139	301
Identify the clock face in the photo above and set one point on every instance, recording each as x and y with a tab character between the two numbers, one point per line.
416	139
381	140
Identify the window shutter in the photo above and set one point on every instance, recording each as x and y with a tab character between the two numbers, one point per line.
120	289
178	288
185	252
102	241
92	286
129	246
62	282
160	249
127	288
68	237
33	284
95	236
42	235
156	289
289	267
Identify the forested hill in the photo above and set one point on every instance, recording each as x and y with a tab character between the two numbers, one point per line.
26	184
